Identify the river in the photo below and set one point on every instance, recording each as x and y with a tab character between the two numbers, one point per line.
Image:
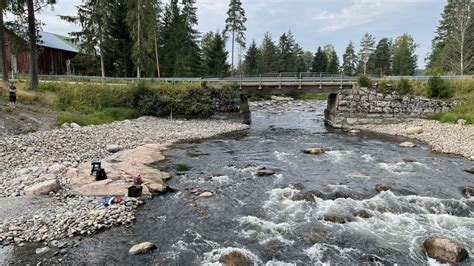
257	216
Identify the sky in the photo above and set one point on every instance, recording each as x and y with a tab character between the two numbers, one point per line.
313	22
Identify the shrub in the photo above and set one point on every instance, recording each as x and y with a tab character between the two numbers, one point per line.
404	87
438	88
385	86
364	81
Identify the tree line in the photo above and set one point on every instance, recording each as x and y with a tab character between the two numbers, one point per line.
123	38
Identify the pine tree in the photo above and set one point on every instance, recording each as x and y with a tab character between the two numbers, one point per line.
4	4
214	54
333	64
382	57
308	61
235	25
349	60
404	56
366	49
252	58
268	55
320	61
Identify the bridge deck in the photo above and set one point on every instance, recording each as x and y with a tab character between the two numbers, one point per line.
292	88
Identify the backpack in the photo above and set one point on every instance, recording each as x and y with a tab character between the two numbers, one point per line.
100	175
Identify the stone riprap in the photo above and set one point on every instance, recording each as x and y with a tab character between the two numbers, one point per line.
363	106
44	157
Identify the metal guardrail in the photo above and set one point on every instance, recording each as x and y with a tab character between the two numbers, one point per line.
281	78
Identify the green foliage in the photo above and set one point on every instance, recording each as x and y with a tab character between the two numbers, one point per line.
438	88
333	64
312	96
385	86
214	55
104	116
349	60
404	87
404	56
235	26
463	111
268	62
320	61
381	58
252	59
364	81
366	49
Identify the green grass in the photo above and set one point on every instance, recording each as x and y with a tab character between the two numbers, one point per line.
104	116
463	111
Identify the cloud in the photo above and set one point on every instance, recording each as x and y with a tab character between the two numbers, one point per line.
360	12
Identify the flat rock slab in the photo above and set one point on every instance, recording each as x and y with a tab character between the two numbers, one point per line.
121	168
141	248
43	188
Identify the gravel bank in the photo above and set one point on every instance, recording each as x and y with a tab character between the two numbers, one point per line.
441	137
31	159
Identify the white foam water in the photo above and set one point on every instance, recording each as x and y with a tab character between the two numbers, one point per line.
401	168
339	155
265	231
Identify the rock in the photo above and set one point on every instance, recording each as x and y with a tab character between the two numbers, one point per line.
113	148
461	122
468	191
56	168
354	131
74	125
141	248
336	219
40	251
264	172
314	151
206	195
382	188
362	214
307	196
234	258
313	238
407	145
43	188
445	250
414	130
66	125
470	170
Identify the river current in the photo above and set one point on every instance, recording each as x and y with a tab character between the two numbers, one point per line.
257	216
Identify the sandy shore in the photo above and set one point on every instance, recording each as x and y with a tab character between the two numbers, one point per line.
441	137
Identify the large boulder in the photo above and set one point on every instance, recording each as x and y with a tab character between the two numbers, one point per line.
336	219
234	258
414	130
43	188
381	188
113	148
141	248
314	151
445	250
74	125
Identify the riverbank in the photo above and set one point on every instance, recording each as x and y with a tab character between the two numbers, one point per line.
32	159
441	137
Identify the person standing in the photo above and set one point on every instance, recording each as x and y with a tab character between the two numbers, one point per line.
12	93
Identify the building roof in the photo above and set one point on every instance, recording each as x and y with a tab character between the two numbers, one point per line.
56	41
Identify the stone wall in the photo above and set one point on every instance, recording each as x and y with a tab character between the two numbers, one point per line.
363	106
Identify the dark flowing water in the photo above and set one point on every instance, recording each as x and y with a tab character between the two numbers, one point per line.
256	215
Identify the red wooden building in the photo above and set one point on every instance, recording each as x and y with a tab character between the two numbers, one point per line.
54	51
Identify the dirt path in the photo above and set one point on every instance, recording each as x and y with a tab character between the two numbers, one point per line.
25	119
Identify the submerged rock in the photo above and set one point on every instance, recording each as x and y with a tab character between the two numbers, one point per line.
336	219
43	188
445	250
407	145
470	170
362	214
314	151
382	188
315	237
40	251
264	172
307	196
141	248
234	258
468	191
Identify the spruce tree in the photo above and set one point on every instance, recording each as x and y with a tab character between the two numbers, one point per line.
286	53
235	25
382	57
349	60
320	61
214	54
333	64
252	59
269	55
404	56
366	49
